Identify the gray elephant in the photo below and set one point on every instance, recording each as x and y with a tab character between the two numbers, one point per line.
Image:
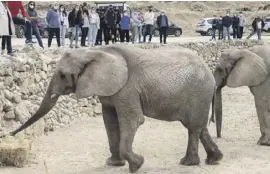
165	84
246	68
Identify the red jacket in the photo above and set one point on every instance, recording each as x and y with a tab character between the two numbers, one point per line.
14	7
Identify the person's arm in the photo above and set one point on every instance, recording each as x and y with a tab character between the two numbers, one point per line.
105	17
48	17
36	17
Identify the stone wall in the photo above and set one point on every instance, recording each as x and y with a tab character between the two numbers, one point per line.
24	79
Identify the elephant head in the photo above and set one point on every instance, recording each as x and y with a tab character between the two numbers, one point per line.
85	73
237	68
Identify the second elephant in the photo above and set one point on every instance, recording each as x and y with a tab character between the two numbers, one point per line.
246	68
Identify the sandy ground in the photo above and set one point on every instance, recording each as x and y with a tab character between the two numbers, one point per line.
83	147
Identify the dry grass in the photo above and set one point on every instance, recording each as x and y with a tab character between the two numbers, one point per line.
15	151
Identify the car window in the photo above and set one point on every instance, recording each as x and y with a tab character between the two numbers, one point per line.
201	21
267	20
210	21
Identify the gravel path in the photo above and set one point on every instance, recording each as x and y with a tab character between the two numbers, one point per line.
83	148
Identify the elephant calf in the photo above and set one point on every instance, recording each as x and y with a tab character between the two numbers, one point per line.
165	84
246	68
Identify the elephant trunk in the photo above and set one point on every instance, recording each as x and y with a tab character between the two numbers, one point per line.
218	111
46	105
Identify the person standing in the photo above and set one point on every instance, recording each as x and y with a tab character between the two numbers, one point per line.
101	30
257	25
235	25
140	15
149	24
74	19
162	23
32	13
220	28
64	24
110	22
85	27
125	27
136	26
214	27
242	22
53	19
94	26
15	7
7	28
226	22
118	21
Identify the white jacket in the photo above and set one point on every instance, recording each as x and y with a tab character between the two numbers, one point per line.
4	28
64	18
94	19
149	18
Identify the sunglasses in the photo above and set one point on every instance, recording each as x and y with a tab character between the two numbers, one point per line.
32	4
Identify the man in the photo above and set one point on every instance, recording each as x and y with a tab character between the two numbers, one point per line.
257	26
162	23
110	22
235	25
118	21
149	24
15	7
242	21
214	27
220	28
226	22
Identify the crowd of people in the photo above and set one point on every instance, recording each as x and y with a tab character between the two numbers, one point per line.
237	23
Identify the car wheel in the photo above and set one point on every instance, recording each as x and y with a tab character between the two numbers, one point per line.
156	32
210	32
45	34
203	34
178	33
20	33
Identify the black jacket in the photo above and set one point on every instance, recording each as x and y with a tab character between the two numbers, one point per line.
235	21
75	19
110	18
219	25
215	24
254	24
226	21
102	20
118	17
159	22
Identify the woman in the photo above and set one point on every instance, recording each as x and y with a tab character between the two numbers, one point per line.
64	24
7	28
85	27
74	19
94	26
136	26
125	26
53	19
32	13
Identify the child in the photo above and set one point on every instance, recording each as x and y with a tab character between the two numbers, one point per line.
7	28
125	26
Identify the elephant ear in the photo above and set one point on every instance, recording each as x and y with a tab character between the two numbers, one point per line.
103	74
249	69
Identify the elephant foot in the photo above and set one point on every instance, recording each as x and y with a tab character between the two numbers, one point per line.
113	161
190	160
213	157
264	141
135	163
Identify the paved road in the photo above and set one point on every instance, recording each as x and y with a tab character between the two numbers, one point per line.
171	39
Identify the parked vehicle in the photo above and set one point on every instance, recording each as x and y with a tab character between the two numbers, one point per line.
173	29
204	27
267	24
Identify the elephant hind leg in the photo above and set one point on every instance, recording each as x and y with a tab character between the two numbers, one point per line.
213	153
112	128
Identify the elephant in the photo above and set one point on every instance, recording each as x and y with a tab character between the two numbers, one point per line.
246	67
131	83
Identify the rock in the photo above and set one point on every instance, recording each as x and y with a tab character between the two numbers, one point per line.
37	78
43	75
8	95
22	111
97	109
9	115
7	106
16	99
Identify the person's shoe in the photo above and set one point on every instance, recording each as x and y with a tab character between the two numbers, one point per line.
33	42
10	54
165	42
76	46
2	52
70	46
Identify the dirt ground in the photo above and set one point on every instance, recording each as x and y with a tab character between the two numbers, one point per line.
83	148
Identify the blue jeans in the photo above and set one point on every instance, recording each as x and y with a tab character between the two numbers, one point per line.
148	29
92	34
75	34
226	30
259	33
28	31
37	34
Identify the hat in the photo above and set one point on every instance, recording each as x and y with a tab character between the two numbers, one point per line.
162	11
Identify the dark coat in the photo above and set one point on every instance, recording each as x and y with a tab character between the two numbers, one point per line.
159	18
110	18
254	24
226	21
235	21
75	19
219	25
215	24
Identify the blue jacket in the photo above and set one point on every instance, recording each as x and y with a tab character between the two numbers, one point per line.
53	19
124	24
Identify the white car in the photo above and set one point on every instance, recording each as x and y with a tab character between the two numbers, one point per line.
267	24
204	27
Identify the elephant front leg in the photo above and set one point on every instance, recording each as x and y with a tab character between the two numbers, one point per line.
192	157
264	120
112	128
129	121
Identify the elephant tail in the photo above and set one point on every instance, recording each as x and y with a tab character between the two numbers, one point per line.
212	119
